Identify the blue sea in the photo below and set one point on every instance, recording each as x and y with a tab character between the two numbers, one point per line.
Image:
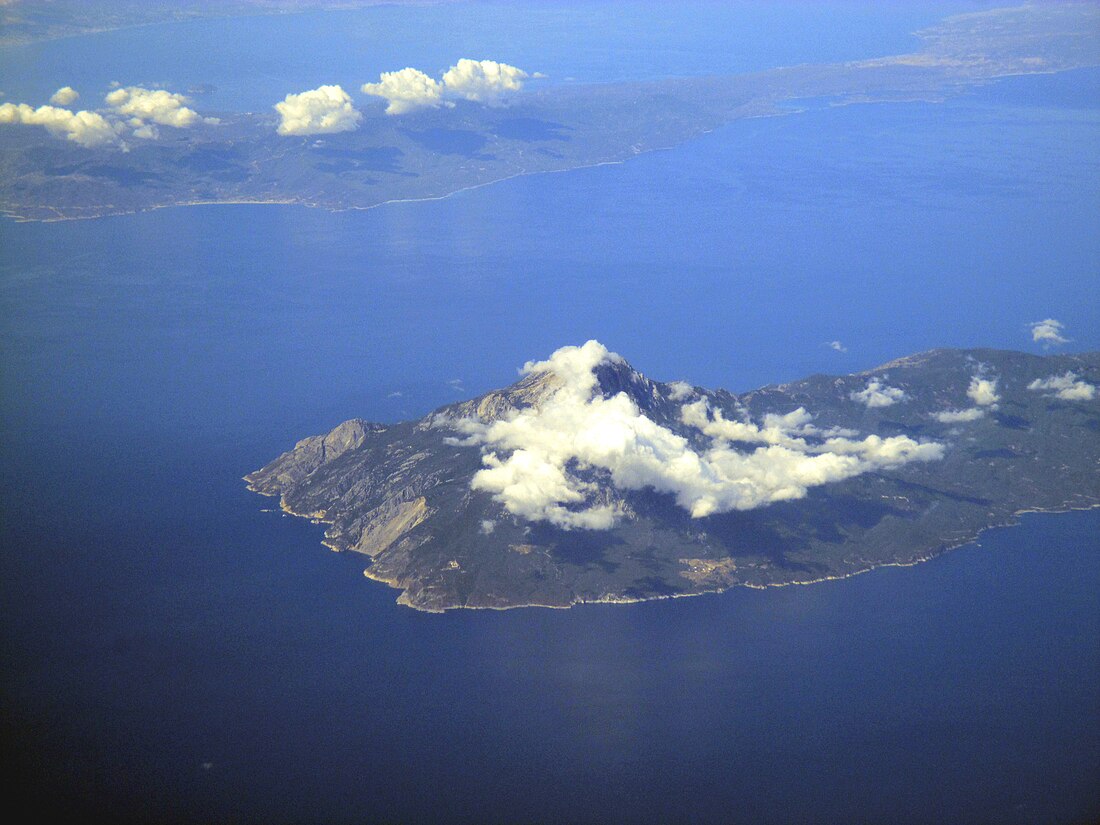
173	650
252	62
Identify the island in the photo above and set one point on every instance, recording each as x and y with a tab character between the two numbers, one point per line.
549	126
586	481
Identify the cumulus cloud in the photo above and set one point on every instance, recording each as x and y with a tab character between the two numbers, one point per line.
540	462
65	96
1066	387
1048	332
836	345
406	90
132	111
983	391
959	416
877	394
87	129
321	110
484	81
156	105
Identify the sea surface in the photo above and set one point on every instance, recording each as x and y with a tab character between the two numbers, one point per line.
174	649
248	64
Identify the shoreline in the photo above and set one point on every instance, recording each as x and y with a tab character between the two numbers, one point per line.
16	217
402	599
762	108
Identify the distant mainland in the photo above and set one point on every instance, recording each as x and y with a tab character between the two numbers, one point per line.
428	138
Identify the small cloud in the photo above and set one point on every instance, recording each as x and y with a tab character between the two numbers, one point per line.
1066	387
64	96
395	394
456	385
983	391
836	345
679	390
146	131
321	110
406	90
877	394
539	76
1048	332
959	416
487	527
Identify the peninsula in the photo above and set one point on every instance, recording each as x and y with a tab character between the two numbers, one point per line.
586	481
434	152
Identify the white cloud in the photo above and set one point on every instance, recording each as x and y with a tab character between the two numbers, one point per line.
64	96
877	394
983	391
484	81
320	110
959	416
539	461
487	526
1066	386
679	390
156	105
145	131
88	129
406	90
1048	332
132	110
839	347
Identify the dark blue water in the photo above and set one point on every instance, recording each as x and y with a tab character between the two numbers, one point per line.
172	650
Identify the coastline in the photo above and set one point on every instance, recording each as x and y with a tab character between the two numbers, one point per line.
403	599
15	216
761	107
